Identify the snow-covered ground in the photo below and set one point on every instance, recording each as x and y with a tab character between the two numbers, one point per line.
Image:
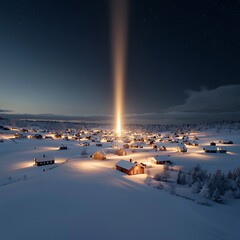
82	198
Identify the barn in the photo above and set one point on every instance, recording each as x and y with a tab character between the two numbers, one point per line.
129	168
44	160
100	154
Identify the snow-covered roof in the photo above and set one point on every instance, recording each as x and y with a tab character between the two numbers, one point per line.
125	164
139	144
160	158
44	158
101	152
182	146
210	148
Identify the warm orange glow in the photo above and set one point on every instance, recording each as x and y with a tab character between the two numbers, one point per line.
119	36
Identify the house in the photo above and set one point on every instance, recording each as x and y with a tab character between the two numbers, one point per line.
137	145
126	146
222	150
44	160
24	130
37	136
181	148
159	146
63	147
129	168
210	149
49	137
226	141
150	142
85	144
160	160
121	152
100	154
162	148
20	135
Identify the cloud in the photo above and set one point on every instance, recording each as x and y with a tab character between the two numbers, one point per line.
222	103
86	118
224	99
5	111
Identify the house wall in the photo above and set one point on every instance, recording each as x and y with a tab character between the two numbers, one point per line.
120	152
134	170
97	155
44	163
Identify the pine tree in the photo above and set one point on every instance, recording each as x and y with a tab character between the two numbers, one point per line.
216	196
205	191
196	187
181	179
230	175
238	181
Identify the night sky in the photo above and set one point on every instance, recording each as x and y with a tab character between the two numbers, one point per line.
183	59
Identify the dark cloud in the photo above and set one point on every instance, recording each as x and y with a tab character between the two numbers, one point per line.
222	103
5	111
220	100
87	118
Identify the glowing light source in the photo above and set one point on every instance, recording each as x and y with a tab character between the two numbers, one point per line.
119	37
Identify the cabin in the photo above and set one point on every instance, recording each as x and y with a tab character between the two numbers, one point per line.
129	168
24	130
85	144
136	145
162	148
212	144
44	160
100	155
222	150
37	136
20	135
63	147
181	148
126	146
160	160
49	137
226	141
210	149
121	152
57	135
150	141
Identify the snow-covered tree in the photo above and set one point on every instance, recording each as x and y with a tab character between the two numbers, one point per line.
84	152
216	196
196	187
181	179
164	175
238	181
205	191
230	174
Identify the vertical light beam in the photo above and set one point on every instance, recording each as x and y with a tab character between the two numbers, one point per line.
119	43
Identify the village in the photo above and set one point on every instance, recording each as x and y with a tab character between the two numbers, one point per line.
95	168
132	153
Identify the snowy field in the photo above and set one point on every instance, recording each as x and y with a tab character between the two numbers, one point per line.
82	198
